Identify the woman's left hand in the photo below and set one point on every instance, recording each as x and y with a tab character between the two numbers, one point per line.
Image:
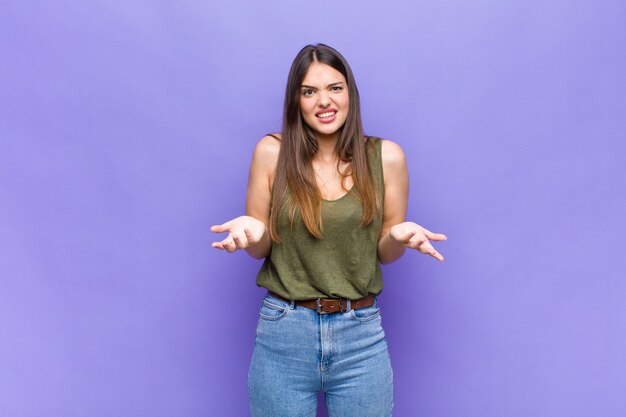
414	236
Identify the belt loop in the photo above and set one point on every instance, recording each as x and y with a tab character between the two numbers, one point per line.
348	306
292	304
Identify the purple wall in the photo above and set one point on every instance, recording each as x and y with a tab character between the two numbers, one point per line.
126	132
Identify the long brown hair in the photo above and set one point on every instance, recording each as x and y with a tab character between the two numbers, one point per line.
294	170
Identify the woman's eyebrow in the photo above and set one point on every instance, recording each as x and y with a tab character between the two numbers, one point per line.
315	88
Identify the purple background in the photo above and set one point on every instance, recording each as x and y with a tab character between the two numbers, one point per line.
126	132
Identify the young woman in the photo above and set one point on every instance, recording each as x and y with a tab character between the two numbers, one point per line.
325	206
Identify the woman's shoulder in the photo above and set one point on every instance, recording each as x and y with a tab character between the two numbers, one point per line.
393	161
390	151
268	145
265	157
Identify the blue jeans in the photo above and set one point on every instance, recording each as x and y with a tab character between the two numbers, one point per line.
298	352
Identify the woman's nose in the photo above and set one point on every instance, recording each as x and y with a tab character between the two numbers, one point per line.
323	100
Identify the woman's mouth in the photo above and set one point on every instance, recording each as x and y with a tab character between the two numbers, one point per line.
327	116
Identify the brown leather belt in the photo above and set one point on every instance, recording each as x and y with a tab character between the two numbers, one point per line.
330	305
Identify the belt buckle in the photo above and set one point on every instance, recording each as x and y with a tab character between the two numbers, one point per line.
342	306
319	306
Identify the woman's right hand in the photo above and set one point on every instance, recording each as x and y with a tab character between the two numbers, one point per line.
243	233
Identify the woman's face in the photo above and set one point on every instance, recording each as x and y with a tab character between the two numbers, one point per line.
324	99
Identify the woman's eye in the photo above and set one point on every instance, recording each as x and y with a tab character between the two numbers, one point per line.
337	88
307	93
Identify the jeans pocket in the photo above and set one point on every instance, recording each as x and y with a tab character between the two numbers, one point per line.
366	314
272	310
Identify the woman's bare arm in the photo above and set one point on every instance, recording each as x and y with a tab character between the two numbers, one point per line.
398	234
250	232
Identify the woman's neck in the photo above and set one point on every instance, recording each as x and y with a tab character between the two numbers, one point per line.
326	148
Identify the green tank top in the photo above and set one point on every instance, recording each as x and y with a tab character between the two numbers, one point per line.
343	263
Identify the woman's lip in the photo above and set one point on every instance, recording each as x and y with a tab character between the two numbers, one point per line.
327	119
325	111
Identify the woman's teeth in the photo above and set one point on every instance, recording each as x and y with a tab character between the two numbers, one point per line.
325	115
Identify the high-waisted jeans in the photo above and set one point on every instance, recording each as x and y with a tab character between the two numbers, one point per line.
298	352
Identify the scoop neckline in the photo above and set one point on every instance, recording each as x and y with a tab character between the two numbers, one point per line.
341	197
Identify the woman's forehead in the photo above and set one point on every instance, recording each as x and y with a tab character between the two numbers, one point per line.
320	75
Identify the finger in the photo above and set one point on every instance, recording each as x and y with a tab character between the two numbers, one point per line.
217	245
249	236
406	238
229	244
438	256
240	241
428	249
435	236
417	241
222	227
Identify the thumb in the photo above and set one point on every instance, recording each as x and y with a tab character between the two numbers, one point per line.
405	237
222	227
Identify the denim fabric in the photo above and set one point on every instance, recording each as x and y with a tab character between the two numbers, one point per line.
298	352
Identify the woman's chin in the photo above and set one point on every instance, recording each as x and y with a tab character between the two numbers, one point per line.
327	131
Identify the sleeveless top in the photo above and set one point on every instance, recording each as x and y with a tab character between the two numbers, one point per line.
343	263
